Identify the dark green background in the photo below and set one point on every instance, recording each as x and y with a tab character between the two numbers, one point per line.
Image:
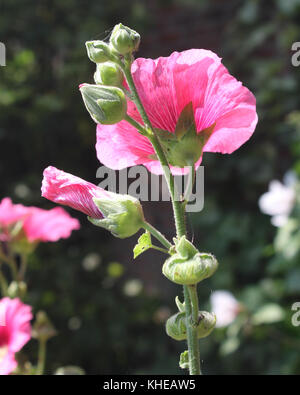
43	122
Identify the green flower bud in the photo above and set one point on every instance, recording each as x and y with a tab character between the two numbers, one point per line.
176	325
206	324
123	214
108	73
98	51
189	266
106	104
124	40
17	289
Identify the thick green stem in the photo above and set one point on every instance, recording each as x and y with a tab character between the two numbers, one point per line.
179	216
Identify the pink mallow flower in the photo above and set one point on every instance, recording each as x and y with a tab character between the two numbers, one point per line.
166	86
36	224
15	331
122	215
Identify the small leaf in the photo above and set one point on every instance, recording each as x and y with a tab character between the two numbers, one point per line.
184	360
144	243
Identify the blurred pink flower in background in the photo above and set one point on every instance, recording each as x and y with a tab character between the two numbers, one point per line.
72	191
280	200
166	85
15	331
225	306
37	224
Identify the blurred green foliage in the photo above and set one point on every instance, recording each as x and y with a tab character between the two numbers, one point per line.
110	313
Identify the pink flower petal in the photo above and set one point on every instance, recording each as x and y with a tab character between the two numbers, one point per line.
49	225
15	333
64	188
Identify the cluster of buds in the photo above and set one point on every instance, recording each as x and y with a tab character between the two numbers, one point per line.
187	266
106	101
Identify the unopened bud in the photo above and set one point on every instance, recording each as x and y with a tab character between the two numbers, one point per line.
108	73
189	266
98	51
176	325
106	104
124	40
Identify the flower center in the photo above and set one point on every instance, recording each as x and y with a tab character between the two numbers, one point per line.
3	352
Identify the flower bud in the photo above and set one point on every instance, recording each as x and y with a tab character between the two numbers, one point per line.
124	40
123	214
176	325
42	328
98	51
206	324
108	73
17	289
106	104
189	266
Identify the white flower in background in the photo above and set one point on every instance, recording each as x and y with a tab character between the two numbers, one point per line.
225	306
279	200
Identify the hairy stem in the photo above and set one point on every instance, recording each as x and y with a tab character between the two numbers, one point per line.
179	217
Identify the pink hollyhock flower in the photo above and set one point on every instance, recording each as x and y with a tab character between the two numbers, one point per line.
37	224
72	191
15	331
166	85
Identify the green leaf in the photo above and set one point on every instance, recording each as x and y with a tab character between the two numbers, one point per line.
144	243
184	360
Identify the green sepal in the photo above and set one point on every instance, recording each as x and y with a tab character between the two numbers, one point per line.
180	306
123	215
185	146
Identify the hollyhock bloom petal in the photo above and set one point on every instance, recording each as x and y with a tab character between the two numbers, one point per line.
11	213
49	225
64	188
225	306
15	332
166	85
37	224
